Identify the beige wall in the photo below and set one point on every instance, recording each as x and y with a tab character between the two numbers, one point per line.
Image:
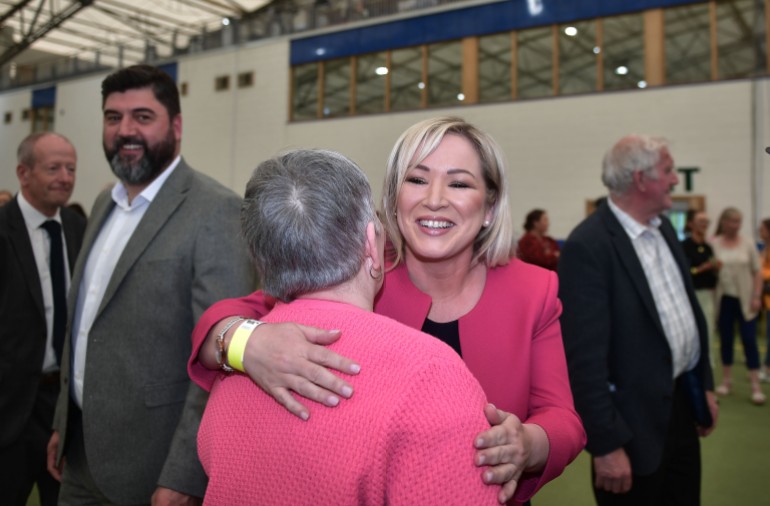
553	146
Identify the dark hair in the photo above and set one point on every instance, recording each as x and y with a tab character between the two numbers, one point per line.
78	209
766	224
690	218
532	217
144	76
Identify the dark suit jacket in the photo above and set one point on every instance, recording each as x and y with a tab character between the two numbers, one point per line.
22	315
618	357
140	410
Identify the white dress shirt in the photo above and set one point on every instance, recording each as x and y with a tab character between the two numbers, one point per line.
665	281
102	259
41	247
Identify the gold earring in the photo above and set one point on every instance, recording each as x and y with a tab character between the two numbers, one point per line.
376	274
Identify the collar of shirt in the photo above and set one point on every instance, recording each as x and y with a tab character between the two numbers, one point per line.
632	227
32	217
120	194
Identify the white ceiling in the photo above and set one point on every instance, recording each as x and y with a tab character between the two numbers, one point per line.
105	25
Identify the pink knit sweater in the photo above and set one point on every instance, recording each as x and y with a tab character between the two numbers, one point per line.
405	437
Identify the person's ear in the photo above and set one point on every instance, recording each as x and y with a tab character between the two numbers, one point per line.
176	123
372	249
22	173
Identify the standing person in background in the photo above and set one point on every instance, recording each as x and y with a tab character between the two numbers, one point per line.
635	336
535	246
764	234
152	262
33	310
739	299
704	267
446	212
5	197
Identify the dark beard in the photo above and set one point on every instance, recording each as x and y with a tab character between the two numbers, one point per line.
145	169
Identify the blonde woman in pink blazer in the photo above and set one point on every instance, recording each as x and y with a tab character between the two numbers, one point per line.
452	275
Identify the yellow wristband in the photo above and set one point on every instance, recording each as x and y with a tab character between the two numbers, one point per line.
237	347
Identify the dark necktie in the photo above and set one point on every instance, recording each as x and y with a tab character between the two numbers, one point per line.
58	284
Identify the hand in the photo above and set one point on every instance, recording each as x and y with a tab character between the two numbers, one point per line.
285	357
613	472
507	448
756	303
51	450
168	497
713	403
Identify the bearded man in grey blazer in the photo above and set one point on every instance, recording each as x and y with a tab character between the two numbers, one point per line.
160	247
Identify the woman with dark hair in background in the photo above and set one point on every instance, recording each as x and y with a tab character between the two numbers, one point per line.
535	246
739	295
704	267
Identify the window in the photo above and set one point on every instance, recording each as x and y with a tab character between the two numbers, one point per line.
534	62
305	91
336	80
740	28
495	67
406	80
698	41
622	52
246	79
222	83
445	80
688	43
577	57
371	82
42	119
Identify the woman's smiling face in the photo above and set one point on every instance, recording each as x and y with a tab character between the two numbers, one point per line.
442	202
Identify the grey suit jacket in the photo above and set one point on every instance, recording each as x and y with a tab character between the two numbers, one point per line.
140	410
23	329
618	357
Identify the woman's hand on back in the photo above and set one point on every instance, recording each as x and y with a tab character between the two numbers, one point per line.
283	358
509	448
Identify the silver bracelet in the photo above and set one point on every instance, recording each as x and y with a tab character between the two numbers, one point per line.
221	350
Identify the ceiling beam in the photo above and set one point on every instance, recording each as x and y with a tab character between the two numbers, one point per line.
13	10
34	33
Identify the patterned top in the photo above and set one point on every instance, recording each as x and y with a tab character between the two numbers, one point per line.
405	437
667	286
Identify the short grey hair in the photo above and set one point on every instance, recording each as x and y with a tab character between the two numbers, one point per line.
633	153
304	219
25	153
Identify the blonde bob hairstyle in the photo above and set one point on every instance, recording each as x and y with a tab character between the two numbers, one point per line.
493	244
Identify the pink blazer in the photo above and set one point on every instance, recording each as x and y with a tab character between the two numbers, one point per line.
511	341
